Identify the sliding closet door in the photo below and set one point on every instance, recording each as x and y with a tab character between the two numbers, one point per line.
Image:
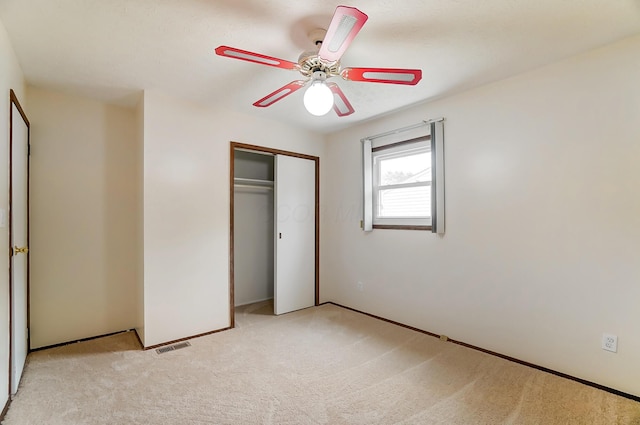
294	274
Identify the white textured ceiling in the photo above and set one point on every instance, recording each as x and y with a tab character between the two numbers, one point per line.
111	49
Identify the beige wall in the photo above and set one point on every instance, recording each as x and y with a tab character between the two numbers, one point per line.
130	217
10	78
186	210
84	256
139	236
541	251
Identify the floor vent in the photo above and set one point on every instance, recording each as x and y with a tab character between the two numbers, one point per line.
174	347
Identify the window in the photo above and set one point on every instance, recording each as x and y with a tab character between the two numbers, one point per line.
402	184
404	179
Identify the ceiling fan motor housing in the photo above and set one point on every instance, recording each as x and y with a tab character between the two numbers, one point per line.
310	62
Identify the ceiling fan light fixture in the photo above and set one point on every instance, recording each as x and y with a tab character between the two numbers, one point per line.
318	98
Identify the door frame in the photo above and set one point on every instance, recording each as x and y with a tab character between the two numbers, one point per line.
237	145
13	100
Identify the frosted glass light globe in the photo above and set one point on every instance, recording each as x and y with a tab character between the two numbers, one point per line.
318	99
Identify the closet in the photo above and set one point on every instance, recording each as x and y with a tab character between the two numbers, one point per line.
274	228
253	227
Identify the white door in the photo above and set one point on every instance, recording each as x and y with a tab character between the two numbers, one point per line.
19	242
295	234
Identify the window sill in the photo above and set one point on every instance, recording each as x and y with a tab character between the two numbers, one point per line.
400	227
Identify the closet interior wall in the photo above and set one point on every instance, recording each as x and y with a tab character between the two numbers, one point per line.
253	227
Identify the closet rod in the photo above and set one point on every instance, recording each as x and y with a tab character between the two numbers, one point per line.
255	182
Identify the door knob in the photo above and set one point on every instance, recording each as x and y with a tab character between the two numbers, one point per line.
22	250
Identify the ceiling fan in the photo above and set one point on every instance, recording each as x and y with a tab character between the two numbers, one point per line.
318	66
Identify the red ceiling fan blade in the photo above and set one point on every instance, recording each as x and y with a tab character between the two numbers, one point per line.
281	93
345	25
383	75
234	53
340	103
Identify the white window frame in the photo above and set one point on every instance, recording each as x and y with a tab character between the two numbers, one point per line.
435	139
398	150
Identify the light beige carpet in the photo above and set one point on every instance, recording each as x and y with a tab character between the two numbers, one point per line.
324	365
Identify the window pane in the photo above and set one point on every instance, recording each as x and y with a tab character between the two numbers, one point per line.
404	202
405	169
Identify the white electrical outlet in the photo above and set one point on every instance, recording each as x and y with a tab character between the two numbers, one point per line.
360	286
610	342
